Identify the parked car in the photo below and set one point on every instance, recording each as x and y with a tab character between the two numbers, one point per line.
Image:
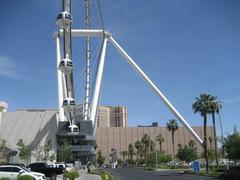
12	172
67	167
43	167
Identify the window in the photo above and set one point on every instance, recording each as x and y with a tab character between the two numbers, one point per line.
5	169
15	169
10	169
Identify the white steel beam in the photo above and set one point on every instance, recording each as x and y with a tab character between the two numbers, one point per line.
155	89
59	79
85	32
97	87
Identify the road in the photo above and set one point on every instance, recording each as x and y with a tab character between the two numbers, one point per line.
141	174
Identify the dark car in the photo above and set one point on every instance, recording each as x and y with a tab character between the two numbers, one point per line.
233	173
46	169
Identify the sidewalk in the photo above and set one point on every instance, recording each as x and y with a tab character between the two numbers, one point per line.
89	177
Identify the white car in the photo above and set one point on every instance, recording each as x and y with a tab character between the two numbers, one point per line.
12	172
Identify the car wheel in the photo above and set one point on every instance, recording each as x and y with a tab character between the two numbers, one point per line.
53	176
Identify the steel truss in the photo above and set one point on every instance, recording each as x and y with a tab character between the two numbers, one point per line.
107	37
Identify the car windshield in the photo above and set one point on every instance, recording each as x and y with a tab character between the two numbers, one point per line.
26	169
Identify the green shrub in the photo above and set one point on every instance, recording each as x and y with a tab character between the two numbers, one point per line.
4	178
25	177
104	174
71	175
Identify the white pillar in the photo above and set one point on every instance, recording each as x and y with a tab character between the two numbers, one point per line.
59	80
155	89
97	87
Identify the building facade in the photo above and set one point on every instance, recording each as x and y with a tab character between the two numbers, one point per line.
108	116
104	114
112	116
120	137
35	126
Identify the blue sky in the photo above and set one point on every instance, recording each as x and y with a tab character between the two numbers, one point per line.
186	47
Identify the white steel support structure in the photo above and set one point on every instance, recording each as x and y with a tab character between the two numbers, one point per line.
155	89
59	79
88	56
97	87
82	132
100	33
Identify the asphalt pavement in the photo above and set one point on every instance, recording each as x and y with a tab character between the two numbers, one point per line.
122	173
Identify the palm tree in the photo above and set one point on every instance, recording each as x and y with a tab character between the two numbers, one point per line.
124	154
202	105
191	144
146	143
131	151
210	141
160	140
172	126
139	147
152	146
214	108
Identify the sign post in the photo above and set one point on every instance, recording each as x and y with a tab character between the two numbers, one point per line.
196	166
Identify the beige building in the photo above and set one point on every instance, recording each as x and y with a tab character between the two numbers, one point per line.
112	116
120	137
103	116
35	126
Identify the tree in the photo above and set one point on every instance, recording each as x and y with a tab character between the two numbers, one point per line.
164	158
38	153
187	153
232	146
130	152
172	126
210	141
152	146
65	151
211	154
3	151
202	105
52	157
192	144
100	158
139	148
124	155
214	108
160	141
146	143
24	150
47	148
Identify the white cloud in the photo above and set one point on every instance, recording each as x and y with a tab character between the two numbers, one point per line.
8	68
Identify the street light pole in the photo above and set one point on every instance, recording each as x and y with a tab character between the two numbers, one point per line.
156	159
220	121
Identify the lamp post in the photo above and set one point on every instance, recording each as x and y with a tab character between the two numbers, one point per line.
220	120
156	159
